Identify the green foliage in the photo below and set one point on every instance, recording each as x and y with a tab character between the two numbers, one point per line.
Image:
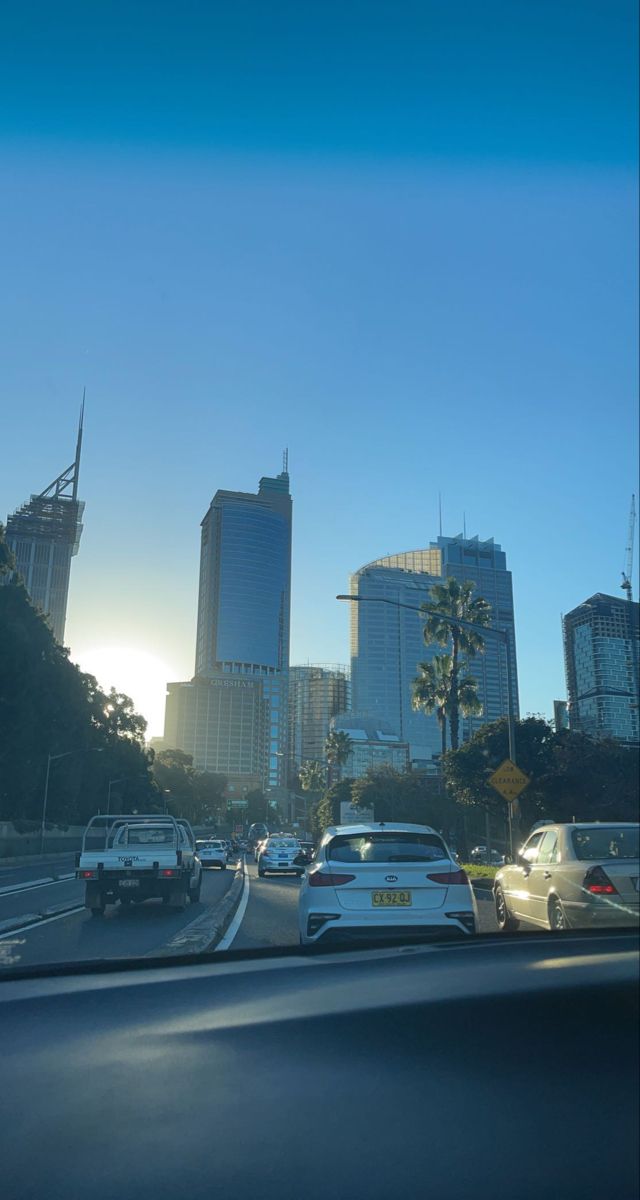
450	602
197	795
405	796
337	748
7	560
327	810
433	692
312	777
571	775
49	707
256	808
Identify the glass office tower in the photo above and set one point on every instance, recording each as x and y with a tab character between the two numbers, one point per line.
601	650
387	642
244	601
317	692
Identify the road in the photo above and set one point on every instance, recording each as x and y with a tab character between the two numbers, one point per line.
55	927
37	894
270	918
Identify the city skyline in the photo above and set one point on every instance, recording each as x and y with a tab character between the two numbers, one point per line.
123	666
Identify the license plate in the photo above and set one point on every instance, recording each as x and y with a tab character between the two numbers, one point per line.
129	883
391	899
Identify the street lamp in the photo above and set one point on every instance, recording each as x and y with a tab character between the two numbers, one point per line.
487	631
53	758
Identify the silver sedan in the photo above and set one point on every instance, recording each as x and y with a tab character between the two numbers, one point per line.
572	876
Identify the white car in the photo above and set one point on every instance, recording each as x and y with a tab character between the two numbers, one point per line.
280	854
384	880
212	854
572	876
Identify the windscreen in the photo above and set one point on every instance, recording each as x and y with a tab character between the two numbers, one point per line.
597	845
386	848
240	223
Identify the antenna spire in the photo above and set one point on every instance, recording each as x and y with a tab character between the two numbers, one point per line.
464	526
285	461
440	511
76	465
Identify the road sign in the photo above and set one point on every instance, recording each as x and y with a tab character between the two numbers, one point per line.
509	780
350	814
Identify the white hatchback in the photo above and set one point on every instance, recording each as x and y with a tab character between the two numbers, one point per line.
212	853
382	881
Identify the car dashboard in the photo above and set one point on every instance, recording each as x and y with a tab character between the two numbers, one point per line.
498	1065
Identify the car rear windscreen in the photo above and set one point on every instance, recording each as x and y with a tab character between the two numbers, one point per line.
595	845
386	847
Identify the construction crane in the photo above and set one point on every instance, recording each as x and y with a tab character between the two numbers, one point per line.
628	564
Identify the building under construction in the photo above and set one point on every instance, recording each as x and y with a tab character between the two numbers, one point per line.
316	694
44	534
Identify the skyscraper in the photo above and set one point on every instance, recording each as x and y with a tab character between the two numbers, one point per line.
44	535
387	642
316	694
242	631
601	651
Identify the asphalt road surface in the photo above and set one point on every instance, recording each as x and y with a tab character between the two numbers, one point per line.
271	915
38	894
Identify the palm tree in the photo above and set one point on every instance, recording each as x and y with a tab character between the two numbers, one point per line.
432	692
337	748
431	689
454	600
311	777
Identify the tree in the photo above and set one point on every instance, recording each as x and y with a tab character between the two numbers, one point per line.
430	692
312	777
49	709
410	796
454	600
7	560
257	807
337	749
327	810
198	796
571	775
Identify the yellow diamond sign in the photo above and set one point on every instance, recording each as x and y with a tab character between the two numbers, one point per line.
509	780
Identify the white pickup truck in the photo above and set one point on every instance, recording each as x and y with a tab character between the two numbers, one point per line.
133	858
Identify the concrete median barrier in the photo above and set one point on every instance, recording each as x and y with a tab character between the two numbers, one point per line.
203	934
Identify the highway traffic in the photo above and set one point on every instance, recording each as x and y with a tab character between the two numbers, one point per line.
43	918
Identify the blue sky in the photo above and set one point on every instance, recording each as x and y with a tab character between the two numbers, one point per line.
398	238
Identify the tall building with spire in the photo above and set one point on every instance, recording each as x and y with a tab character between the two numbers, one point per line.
44	535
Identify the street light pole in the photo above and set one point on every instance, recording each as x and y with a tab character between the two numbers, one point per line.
52	758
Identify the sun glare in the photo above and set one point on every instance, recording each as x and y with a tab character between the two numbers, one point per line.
139	674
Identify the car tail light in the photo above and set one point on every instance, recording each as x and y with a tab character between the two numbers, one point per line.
324	879
88	874
448	878
167	873
598	883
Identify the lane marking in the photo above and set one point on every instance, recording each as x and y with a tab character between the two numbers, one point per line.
71	912
14	888
237	920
